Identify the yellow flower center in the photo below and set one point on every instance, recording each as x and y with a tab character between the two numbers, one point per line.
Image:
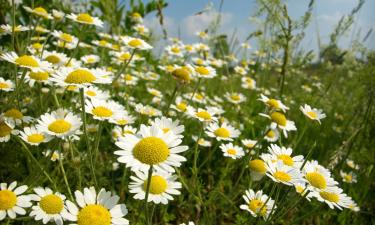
300	189
80	76
135	43
3	85
348	178
102	111
14	113
198	96
313	115
235	97
90	60
287	160
53	59
273	103
330	196
256	205
151	150
94	215
37	46
204	115
35	138
66	37
181	106
122	122
158	185
279	118
86	18
103	42
175	50
231	151
40	10
59	126
125	57
222	132
316	179
181	74
271	134
202	70
257	165
51	204
7	199
4	129
27	60
282	176
39	75
128	77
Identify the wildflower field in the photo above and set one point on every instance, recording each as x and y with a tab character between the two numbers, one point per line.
98	127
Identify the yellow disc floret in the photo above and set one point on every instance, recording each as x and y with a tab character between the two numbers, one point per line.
85	18
151	150
316	179
7	199
80	76
51	204
222	132
330	196
27	60
204	115
273	103
257	165
4	129
39	75
102	111
282	176
158	185
279	118
287	160
256	206
35	138
94	215
181	74
60	126
202	70
135	43
14	113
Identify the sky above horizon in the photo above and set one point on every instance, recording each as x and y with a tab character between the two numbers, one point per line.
180	19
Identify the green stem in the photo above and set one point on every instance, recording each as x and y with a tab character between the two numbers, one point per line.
149	176
124	67
83	115
13	25
65	178
97	141
172	97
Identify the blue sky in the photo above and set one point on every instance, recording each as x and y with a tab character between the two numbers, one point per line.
180	16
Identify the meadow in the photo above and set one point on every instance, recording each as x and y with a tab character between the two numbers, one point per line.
98	129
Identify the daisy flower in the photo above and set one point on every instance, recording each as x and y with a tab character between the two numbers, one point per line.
118	131
136	17
202	141
168	125
141	29
334	197
8	29
147	110
180	105
302	189
39	11
203	115
151	146
85	18
223	132
60	123
90	59
55	58
96	208
248	143
26	61
53	155
122	119
318	177
285	155
257	169
232	151
248	83
6	129
162	186
58	15
80	77
240	70
50	207
352	164
205	71
273	103
33	136
102	109
272	135
281	173
174	50
312	113
16	116
235	98
39	77
183	73
65	37
257	204
136	43
12	202
129	79
348	177
94	92
6	85
279	120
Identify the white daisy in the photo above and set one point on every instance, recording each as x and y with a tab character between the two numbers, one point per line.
204	71
232	151
168	125
334	197
90	59
280	121
12	202
118	131
248	83
203	115
223	132
285	155
55	58
234	97
151	146
312	113
34	136
272	135
65	37
39	77
202	141
80	77
39	11
348	177
85	18
94	92
136	43
248	143
281	173
60	123
50	207
6	85
6	129
103	109
273	103
8	29
318	178
256	203
162	186
16	116
122	119
96	209
26	61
